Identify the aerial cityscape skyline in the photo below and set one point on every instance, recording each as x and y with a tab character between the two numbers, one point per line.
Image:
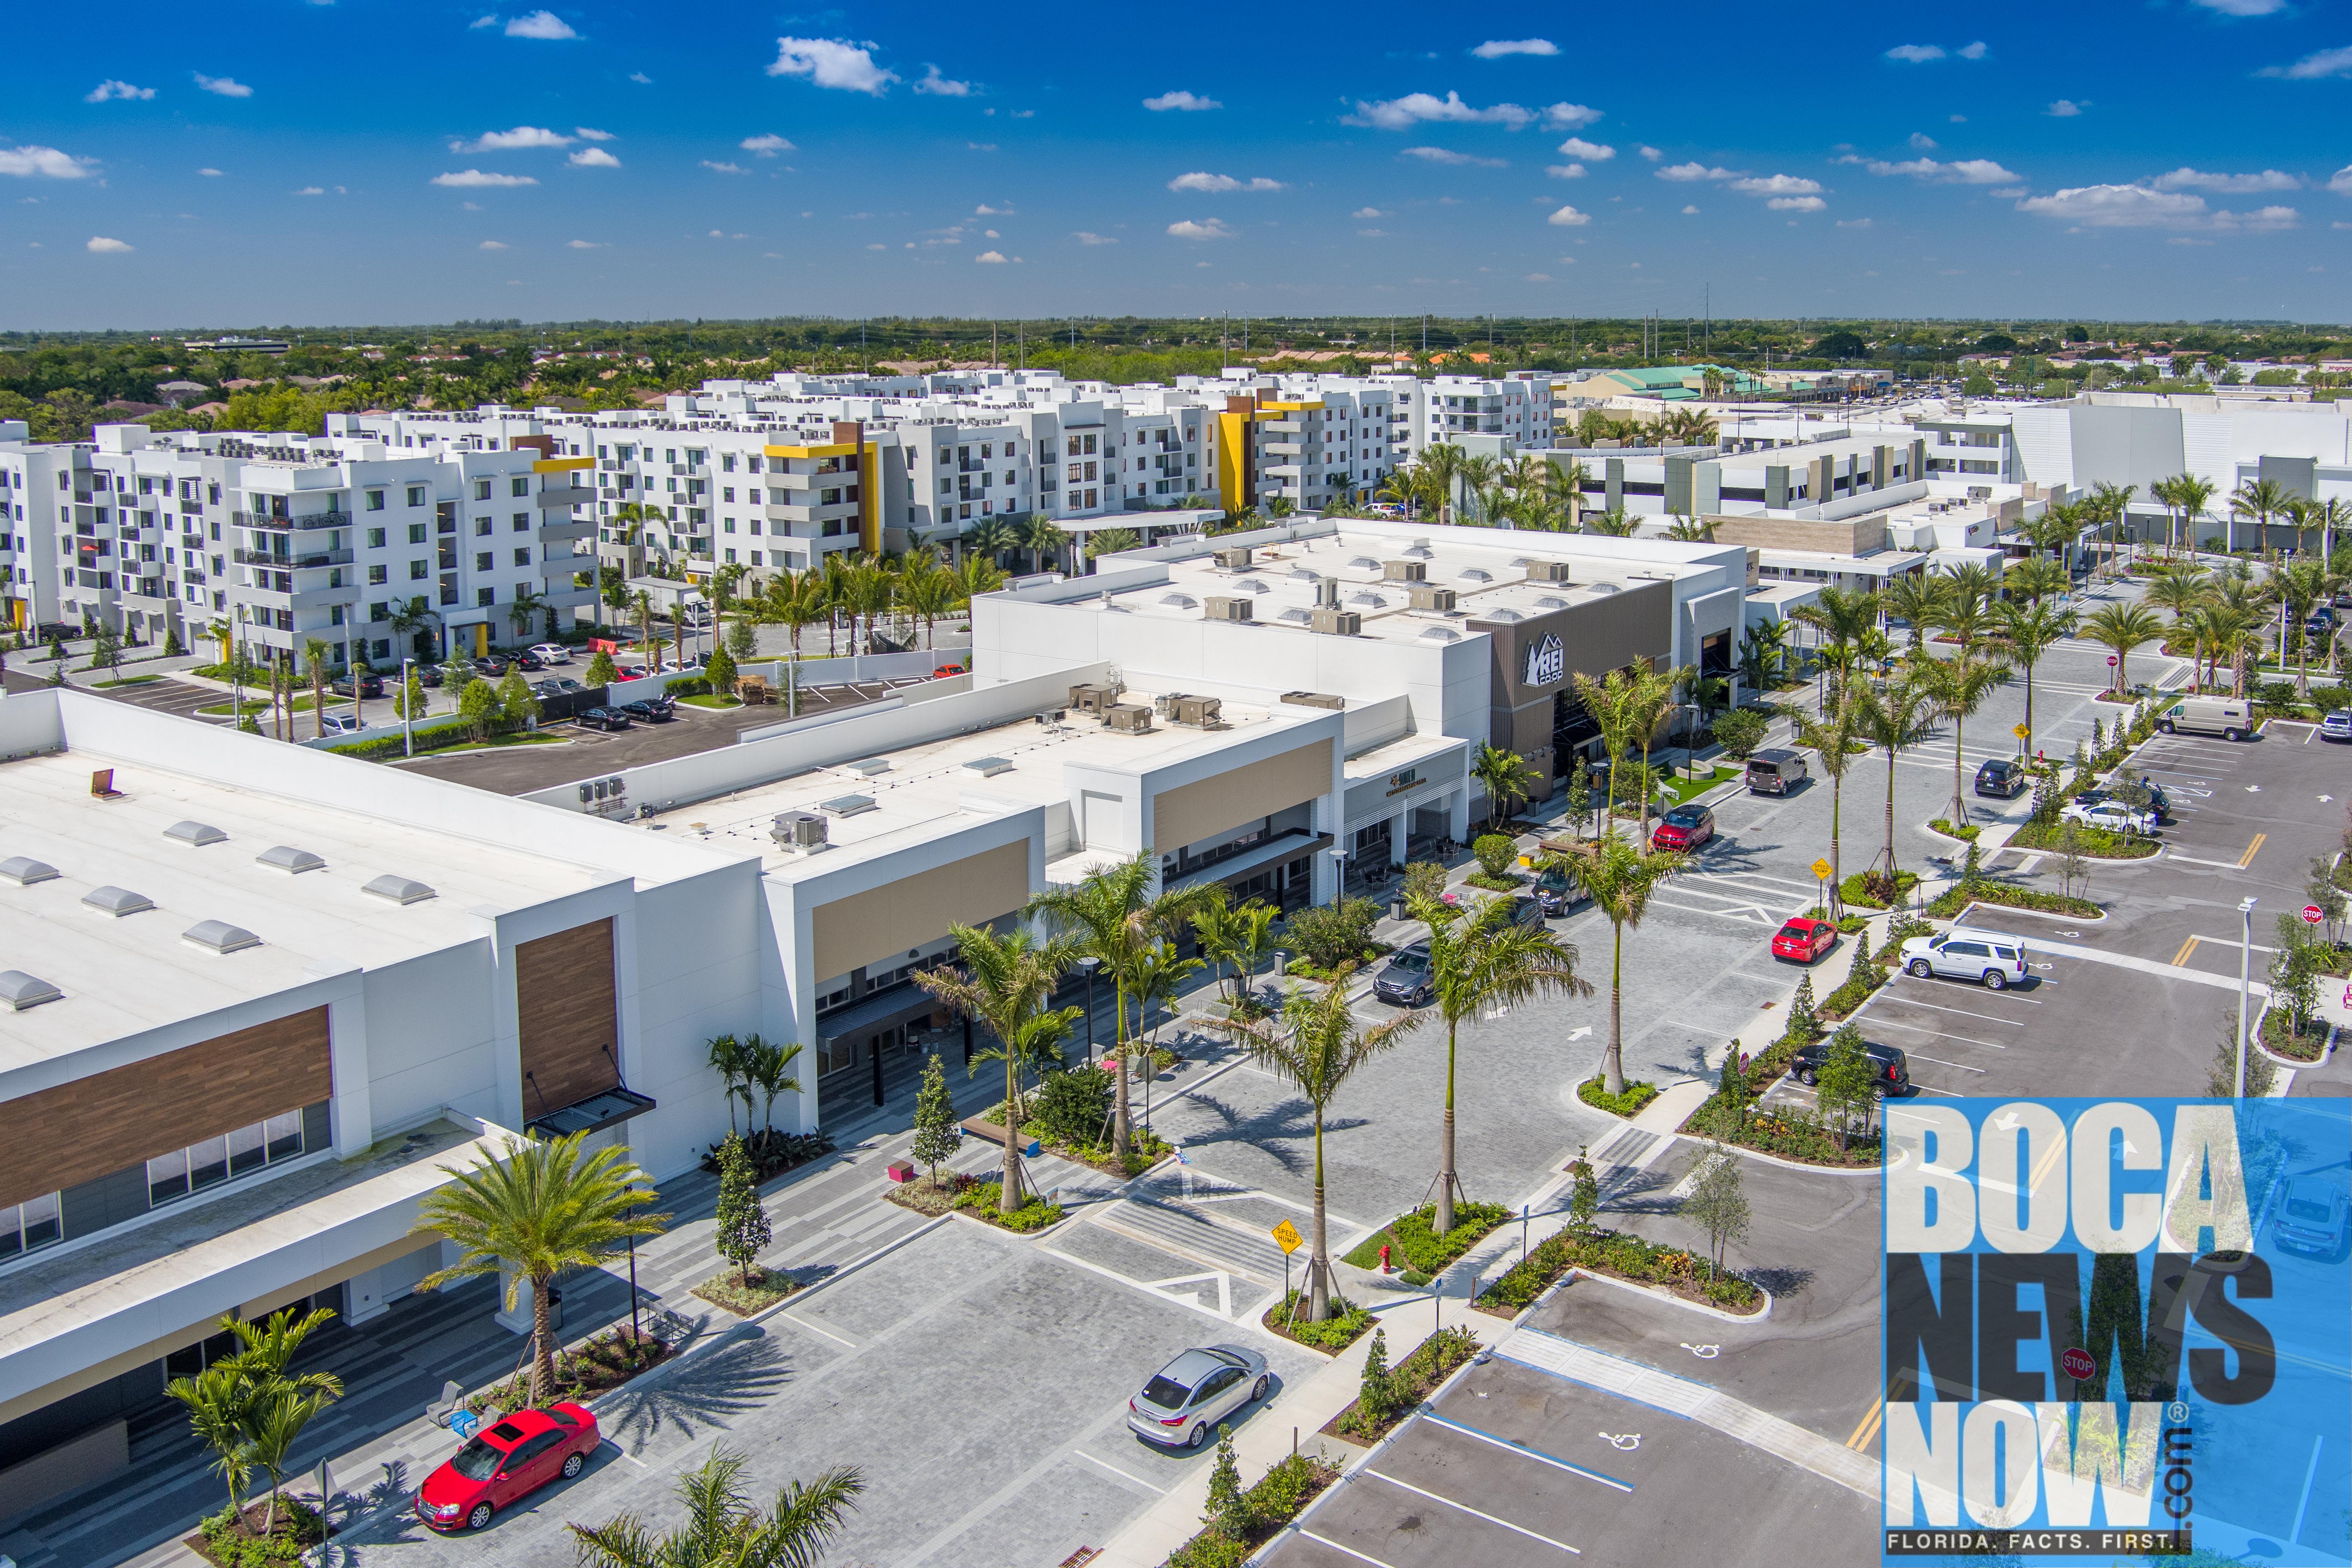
561	164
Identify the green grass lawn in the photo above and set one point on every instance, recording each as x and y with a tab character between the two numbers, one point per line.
300	704
1689	789
496	742
126	680
709	699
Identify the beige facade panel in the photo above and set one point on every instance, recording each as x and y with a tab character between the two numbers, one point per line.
862	929
1840	536
1191	813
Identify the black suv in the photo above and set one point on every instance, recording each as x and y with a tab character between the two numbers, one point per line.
1405	983
1558	893
601	718
652	709
370	685
1893	1069
2002	778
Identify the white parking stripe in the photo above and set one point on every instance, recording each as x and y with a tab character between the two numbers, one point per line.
1884	1023
1327	1540
1940	1062
1963	1011
1478	1513
1123	1475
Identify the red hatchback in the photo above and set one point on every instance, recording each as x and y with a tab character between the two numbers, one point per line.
1803	940
499	1467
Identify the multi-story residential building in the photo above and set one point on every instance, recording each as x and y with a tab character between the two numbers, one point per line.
29	578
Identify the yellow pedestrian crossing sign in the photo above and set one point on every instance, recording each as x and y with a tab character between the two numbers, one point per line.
1821	870
1286	1235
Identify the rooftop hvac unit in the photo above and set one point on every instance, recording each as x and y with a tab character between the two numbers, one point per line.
1326	592
1199	712
1425	598
1548	572
1093	698
1314	700
1165	703
1337	623
799	830
1131	716
1405	571
1236	559
1228	609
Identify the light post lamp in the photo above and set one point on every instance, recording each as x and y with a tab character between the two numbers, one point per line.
2246	989
1338	854
1087	965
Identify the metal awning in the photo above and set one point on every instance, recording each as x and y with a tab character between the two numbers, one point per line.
599	1111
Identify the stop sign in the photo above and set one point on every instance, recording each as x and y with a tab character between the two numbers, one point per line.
2077	1364
2312	914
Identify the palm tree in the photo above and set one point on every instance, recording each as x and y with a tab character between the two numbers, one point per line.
1614	701
1620	878
1160	976
538	1210
1616	522
410	616
1686	427
524	609
989	540
2036	579
1563	486
2059	528
767	1069
2301	585
1690	530
1917	598
1004	983
1479	959
644	607
1841	617
273	1426
218	1400
867	587
1763	650
1042	538
314	654
1238	934
1833	738
1111	541
793	600
2110	503
1318	1044
1970	593
1439	474
2121	628
2328	517
1959	686
2028	630
1116	915
2260	500
1895	714
2190	494
731	1060
1507	778
928	594
979	575
2245	608
722	1530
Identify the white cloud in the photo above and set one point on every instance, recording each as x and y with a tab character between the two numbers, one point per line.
981	146
1086	236
2187	179
1413	108
46	162
832	63
2010	193
1537	277
477	177
312	191
1565	170
992	258
724	168
1796	204
2245	7
1375	212
1690	211
114	88
106	246
1922	143
587	133
1975	51
1652	153
1569	217
1202	181
1590	152
1685	172
2141	207
494	245
1569	116
1452	159
1495	49
1958	172
592	158
2339	182
521	137
2065	108
588	244
641	78
1213	229
984	210
1778	185
941	87
478	23
1916	54
1188	102
766	146
225	86
1853	223
540	25
209	174
2312	68
990	234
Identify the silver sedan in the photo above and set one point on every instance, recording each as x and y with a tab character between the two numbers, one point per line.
1182	1403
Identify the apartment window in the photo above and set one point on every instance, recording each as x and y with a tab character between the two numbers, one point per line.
522	522
604	452
725	462
753	464
482	598
31	1223
730	558
522	556
416	571
518	487
482	562
829	497
375	500
481	490
832	528
379	574
415	533
216	1160
415	495
380	610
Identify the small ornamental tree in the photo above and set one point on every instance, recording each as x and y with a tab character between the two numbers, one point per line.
742	641
1228	1510
743	1227
1496	851
517	703
1377	1394
478	704
1717	1203
1740	731
601	671
1848	1083
1803	1022
1584	1195
1579	797
936	1135
721	673
1731	1087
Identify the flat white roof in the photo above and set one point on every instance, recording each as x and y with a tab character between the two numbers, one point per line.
124	974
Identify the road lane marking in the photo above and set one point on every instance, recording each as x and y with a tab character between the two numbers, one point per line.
2248	857
812	1328
1477	1513
1536	1454
1867	1428
2186	947
2217	865
1114	1471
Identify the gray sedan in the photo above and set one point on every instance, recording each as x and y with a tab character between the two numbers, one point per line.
1182	1403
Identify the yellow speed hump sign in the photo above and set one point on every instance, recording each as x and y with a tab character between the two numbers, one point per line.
1286	1235
1821	870
2019	731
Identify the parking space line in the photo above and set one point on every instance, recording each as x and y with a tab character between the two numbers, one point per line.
1942	1063
1963	1011
1327	1540
1937	1034
803	1322
1475	1513
1124	1475
1536	1454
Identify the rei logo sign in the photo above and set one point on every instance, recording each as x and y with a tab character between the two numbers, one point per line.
1547	661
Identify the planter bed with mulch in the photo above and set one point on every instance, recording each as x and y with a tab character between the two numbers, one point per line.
767	1287
975	1196
1281	1496
2092	843
1796	1138
596	1366
1628	1104
228	1544
2280	1036
1948	903
1620	1257
1408	1383
1421	1250
773	1153
1335	1333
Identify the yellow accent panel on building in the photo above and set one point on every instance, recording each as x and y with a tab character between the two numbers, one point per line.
1191	813
831	449
561	465
869	499
863	929
1233	454
1291	407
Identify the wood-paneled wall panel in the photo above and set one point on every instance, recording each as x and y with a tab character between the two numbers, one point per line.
1189	812
568	1015
97	1125
863	930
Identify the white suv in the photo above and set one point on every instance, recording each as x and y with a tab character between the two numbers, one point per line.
1990	958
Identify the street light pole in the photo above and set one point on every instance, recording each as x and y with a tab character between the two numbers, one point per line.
2245	988
1089	964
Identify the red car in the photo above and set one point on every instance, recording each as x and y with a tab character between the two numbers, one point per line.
497	1467
1684	828
1803	940
945	670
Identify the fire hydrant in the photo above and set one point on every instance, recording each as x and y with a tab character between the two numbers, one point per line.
1384	1261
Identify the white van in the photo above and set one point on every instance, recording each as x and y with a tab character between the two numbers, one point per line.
2228	717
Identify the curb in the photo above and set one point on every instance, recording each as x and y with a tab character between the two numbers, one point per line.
1579	1271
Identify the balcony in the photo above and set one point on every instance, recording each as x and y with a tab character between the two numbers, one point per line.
287	562
307	523
574	495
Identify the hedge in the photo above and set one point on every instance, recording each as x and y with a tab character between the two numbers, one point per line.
1637	1095
1624	1257
1952	900
430	737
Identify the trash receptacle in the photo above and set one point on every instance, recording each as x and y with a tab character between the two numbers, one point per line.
1396	905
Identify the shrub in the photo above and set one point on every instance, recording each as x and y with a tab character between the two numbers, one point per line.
2278	696
1871	890
1952	900
1343	1327
1966	830
1496	851
1424	879
1740	731
1424	1250
1329	935
601	671
720	671
980	1199
1071	1107
1637	1095
1614	1253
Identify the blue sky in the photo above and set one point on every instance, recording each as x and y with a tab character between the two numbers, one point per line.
363	161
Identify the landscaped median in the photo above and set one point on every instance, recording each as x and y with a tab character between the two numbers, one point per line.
1390	1393
2096	843
1948	903
1421	1250
977	1196
1617	1256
